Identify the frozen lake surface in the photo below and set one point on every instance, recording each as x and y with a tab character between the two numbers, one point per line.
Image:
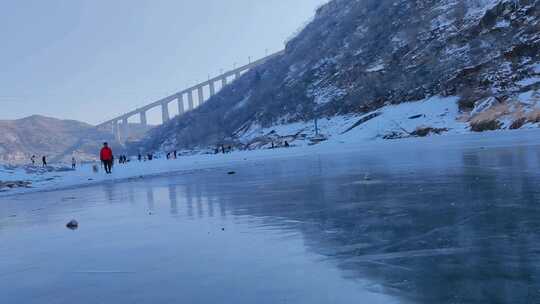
444	224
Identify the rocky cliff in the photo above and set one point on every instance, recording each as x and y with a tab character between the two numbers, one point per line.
358	56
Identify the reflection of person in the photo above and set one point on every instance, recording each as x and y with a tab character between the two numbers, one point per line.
106	156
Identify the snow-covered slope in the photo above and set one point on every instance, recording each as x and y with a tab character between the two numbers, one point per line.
479	58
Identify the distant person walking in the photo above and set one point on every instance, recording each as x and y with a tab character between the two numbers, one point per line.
73	163
33	159
106	156
44	161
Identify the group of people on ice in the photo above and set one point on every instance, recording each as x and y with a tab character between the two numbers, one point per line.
172	155
146	157
106	157
43	160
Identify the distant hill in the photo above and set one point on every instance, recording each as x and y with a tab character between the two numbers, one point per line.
58	139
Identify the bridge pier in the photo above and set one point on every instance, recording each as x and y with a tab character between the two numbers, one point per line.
180	104
236	75
165	112
190	100
115	130
125	129
224	82
212	89
144	122
201	96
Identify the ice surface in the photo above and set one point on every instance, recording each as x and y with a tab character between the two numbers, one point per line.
449	219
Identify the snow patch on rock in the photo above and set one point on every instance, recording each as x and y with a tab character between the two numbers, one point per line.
528	81
484	104
376	68
324	95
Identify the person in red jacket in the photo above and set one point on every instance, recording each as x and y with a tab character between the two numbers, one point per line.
106	157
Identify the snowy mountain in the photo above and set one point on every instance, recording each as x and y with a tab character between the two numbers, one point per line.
58	139
381	69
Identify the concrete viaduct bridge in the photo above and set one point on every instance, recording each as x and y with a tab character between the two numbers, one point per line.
119	125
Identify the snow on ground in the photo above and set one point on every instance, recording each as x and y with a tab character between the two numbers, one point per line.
404	118
326	127
530	97
434	112
528	81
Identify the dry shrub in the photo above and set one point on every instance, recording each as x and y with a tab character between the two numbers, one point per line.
469	96
488	120
485	125
464	117
534	116
518	123
492	113
425	131
519	115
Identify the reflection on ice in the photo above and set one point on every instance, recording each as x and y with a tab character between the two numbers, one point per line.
430	226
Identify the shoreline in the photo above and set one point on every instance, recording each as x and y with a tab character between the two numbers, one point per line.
84	177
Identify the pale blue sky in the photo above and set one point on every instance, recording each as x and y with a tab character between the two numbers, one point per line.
91	59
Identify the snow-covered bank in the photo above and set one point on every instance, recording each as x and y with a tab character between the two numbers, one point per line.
389	122
84	175
431	116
